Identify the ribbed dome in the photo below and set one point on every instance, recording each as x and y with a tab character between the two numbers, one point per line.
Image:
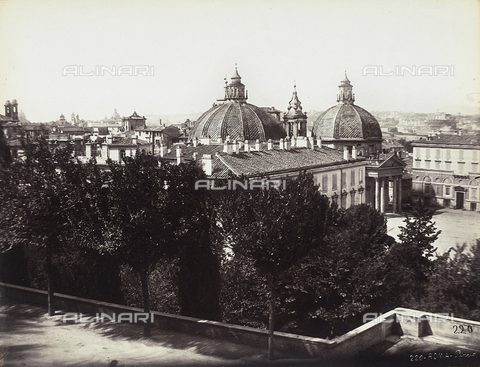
347	121
239	121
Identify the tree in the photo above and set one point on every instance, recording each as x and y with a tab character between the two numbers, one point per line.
454	283
413	255
274	229
339	281
128	213
407	144
5	155
199	265
37	195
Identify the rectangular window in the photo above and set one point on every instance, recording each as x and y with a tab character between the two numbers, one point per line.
439	190
334	182
437	165
460	155
427	153
427	188
448	157
438	156
427	164
448	166
460	168
447	190
324	183
473	194
360	174
352	177
344	180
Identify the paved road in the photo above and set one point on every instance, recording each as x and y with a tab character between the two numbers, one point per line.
28	337
457	227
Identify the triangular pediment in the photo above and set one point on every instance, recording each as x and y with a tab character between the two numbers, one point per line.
392	161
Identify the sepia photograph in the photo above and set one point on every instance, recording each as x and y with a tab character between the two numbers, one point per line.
240	183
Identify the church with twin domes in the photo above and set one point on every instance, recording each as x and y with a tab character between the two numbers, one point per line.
341	150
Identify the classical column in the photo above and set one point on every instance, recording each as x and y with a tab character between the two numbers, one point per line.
382	195
377	193
395	182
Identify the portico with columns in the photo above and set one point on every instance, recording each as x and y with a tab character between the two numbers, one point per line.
384	181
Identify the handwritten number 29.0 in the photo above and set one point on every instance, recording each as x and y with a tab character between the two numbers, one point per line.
460	329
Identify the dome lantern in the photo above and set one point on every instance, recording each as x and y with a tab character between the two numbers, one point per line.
345	94
235	91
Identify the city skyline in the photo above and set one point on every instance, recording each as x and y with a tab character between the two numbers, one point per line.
185	50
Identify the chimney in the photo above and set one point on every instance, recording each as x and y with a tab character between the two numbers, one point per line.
269	144
134	140
319	143
163	150
281	144
257	145
229	147
207	164
287	143
109	139
345	153
236	147
309	143
195	142
180	157
247	147
354	152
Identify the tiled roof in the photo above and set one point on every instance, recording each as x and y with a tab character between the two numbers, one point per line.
128	141
275	160
444	139
388	144
151	128
346	121
35	127
8	119
239	121
199	149
72	128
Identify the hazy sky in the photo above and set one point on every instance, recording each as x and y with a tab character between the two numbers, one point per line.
193	45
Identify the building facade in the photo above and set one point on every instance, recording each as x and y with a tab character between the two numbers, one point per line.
446	171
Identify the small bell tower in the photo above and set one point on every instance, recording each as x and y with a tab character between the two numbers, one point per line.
295	120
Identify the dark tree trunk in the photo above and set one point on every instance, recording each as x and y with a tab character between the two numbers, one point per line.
51	310
146	301
271	317
199	279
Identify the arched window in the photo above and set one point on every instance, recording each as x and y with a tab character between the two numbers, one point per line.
427	185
